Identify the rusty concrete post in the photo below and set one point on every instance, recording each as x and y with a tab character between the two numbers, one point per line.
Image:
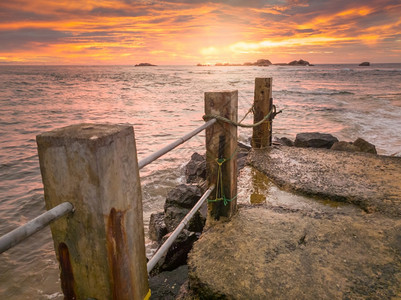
263	103
100	247
221	147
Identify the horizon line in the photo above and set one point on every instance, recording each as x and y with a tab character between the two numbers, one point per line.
187	65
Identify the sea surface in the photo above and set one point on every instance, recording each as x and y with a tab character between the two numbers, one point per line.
163	103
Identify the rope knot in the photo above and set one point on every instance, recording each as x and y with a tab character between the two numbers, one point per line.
220	196
220	161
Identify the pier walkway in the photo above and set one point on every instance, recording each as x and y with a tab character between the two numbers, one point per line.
314	250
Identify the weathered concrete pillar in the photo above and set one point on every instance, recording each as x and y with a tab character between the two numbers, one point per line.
263	103
100	247
221	146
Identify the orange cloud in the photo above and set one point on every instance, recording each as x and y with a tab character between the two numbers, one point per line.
176	32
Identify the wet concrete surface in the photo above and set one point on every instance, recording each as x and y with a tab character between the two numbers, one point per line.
282	245
371	182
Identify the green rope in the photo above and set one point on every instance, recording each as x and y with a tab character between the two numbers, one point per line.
220	196
272	113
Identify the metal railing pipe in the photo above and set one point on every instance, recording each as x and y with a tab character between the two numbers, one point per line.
21	233
174	144
163	249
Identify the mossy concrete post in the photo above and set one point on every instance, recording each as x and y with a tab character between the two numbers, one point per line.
221	147
100	247
263	103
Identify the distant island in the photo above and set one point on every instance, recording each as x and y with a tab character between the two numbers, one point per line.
364	64
145	65
262	63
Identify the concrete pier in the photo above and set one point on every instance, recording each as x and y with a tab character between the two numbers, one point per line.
319	249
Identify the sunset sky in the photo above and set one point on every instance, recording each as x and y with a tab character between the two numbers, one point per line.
173	32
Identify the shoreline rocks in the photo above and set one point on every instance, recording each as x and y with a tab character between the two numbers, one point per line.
328	141
314	140
179	202
195	170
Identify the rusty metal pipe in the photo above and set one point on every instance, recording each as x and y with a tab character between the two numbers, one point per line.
174	144
163	249
21	233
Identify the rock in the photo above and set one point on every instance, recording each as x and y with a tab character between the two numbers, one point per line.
345	146
285	142
241	162
243	147
145	65
269	252
314	140
157	227
185	292
262	63
177	254
170	284
365	146
195	170
300	62
183	195
173	216
364	64
242	154
178	203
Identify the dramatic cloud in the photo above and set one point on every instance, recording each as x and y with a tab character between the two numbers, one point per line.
188	32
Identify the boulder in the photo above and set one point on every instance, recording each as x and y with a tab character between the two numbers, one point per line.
157	227
177	254
345	146
365	146
183	195
170	284
179	202
242	154
364	64
314	140
195	170
285	142
243	147
174	215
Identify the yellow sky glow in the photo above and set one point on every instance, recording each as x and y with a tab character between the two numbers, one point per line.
174	32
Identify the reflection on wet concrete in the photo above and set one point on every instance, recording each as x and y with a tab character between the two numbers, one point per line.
257	198
256	188
260	185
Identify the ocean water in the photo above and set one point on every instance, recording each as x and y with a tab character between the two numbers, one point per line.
163	103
